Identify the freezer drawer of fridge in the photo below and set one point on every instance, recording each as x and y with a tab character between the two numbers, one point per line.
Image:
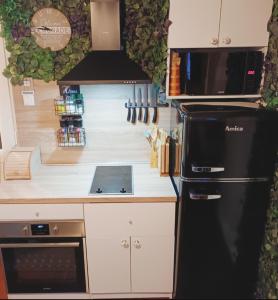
230	145
220	233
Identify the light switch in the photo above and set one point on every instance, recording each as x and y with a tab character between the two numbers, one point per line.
28	83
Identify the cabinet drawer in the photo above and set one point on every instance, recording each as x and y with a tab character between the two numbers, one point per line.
40	211
129	219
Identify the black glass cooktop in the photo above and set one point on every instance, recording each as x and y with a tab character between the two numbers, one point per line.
112	180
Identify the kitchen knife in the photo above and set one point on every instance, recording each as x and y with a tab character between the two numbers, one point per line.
139	104
128	110
152	96
154	104
145	103
133	118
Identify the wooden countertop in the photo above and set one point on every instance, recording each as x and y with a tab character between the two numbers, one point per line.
71	184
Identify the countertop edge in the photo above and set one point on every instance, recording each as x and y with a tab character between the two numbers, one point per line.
88	200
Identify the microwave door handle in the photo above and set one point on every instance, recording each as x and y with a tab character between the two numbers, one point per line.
194	196
40	245
207	169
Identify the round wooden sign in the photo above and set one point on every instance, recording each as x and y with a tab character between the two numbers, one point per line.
51	29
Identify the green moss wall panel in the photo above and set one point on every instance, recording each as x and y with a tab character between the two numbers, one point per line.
27	58
268	269
146	29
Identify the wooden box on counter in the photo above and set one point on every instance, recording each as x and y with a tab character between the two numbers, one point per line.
21	163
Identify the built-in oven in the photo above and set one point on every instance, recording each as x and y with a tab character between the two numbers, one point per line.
45	257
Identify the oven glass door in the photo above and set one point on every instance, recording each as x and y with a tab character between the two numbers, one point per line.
44	265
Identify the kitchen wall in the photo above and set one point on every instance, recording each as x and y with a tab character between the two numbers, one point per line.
7	124
7	118
110	138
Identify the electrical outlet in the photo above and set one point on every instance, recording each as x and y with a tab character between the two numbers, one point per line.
28	98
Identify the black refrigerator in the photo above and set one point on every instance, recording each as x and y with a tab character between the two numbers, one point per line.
226	163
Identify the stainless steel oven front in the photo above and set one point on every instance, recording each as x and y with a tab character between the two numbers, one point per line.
45	257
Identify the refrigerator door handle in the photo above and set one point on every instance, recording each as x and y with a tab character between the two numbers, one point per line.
207	169
194	196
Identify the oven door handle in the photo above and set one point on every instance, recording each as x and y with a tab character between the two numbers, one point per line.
40	245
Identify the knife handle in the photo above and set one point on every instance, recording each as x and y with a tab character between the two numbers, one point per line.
140	114
128	114
133	118
146	115
154	114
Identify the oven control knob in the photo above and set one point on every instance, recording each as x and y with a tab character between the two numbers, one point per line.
25	230
55	229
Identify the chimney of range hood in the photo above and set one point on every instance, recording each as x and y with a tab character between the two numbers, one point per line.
106	63
105	22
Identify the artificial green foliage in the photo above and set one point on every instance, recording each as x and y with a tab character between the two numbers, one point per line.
146	28
27	59
12	13
70	56
270	92
268	269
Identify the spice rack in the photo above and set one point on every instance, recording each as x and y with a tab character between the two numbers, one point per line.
70	108
71	137
69	104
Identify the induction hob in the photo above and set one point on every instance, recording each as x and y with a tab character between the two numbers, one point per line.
116	180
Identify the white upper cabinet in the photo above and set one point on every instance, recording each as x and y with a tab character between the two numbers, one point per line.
244	23
219	23
195	23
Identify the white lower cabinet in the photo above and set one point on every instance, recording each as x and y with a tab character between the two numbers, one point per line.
130	259
109	265
152	264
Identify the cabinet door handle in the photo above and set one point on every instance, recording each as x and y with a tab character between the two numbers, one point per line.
214	41
227	40
137	244
125	244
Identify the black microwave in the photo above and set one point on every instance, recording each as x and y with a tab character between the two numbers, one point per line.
221	72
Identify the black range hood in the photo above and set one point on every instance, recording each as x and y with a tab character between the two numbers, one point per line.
105	67
107	63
